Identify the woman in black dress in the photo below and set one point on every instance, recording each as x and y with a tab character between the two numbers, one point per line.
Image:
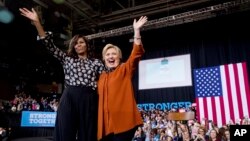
77	112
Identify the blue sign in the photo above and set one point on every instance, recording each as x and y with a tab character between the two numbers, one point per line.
38	119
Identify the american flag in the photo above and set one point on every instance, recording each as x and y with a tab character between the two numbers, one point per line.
222	93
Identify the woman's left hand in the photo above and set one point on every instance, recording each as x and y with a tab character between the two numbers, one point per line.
138	24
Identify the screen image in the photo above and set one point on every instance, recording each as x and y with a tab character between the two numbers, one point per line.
165	72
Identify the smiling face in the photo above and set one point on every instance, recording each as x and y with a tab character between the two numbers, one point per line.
111	56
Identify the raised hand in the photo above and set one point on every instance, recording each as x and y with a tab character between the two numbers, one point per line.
138	24
32	15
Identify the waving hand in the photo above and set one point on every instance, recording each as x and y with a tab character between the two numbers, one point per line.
32	15
138	24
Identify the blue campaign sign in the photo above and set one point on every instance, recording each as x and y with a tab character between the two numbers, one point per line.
38	119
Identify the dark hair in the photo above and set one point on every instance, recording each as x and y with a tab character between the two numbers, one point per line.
71	43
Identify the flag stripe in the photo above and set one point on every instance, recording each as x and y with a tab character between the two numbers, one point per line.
234	96
213	107
198	109
246	82
209	108
238	92
242	91
224	100
230	100
204	101
218	110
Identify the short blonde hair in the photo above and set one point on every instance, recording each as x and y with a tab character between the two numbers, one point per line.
108	46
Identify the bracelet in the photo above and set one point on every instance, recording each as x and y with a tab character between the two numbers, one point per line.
137	37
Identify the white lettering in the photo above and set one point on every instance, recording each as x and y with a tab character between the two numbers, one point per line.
240	132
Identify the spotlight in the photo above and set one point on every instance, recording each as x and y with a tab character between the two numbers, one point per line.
5	15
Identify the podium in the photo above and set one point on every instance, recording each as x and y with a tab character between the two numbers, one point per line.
177	116
180	116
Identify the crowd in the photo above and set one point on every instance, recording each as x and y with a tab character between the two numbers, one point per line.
156	126
24	102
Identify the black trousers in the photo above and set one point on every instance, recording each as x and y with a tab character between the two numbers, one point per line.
125	136
77	115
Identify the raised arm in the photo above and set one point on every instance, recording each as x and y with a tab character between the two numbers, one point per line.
33	16
48	41
137	25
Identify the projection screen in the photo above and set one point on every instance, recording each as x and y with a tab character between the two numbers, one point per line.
165	72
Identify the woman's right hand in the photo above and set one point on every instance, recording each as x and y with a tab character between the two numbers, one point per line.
32	15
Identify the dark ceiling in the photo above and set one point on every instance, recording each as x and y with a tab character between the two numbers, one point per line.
95	18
